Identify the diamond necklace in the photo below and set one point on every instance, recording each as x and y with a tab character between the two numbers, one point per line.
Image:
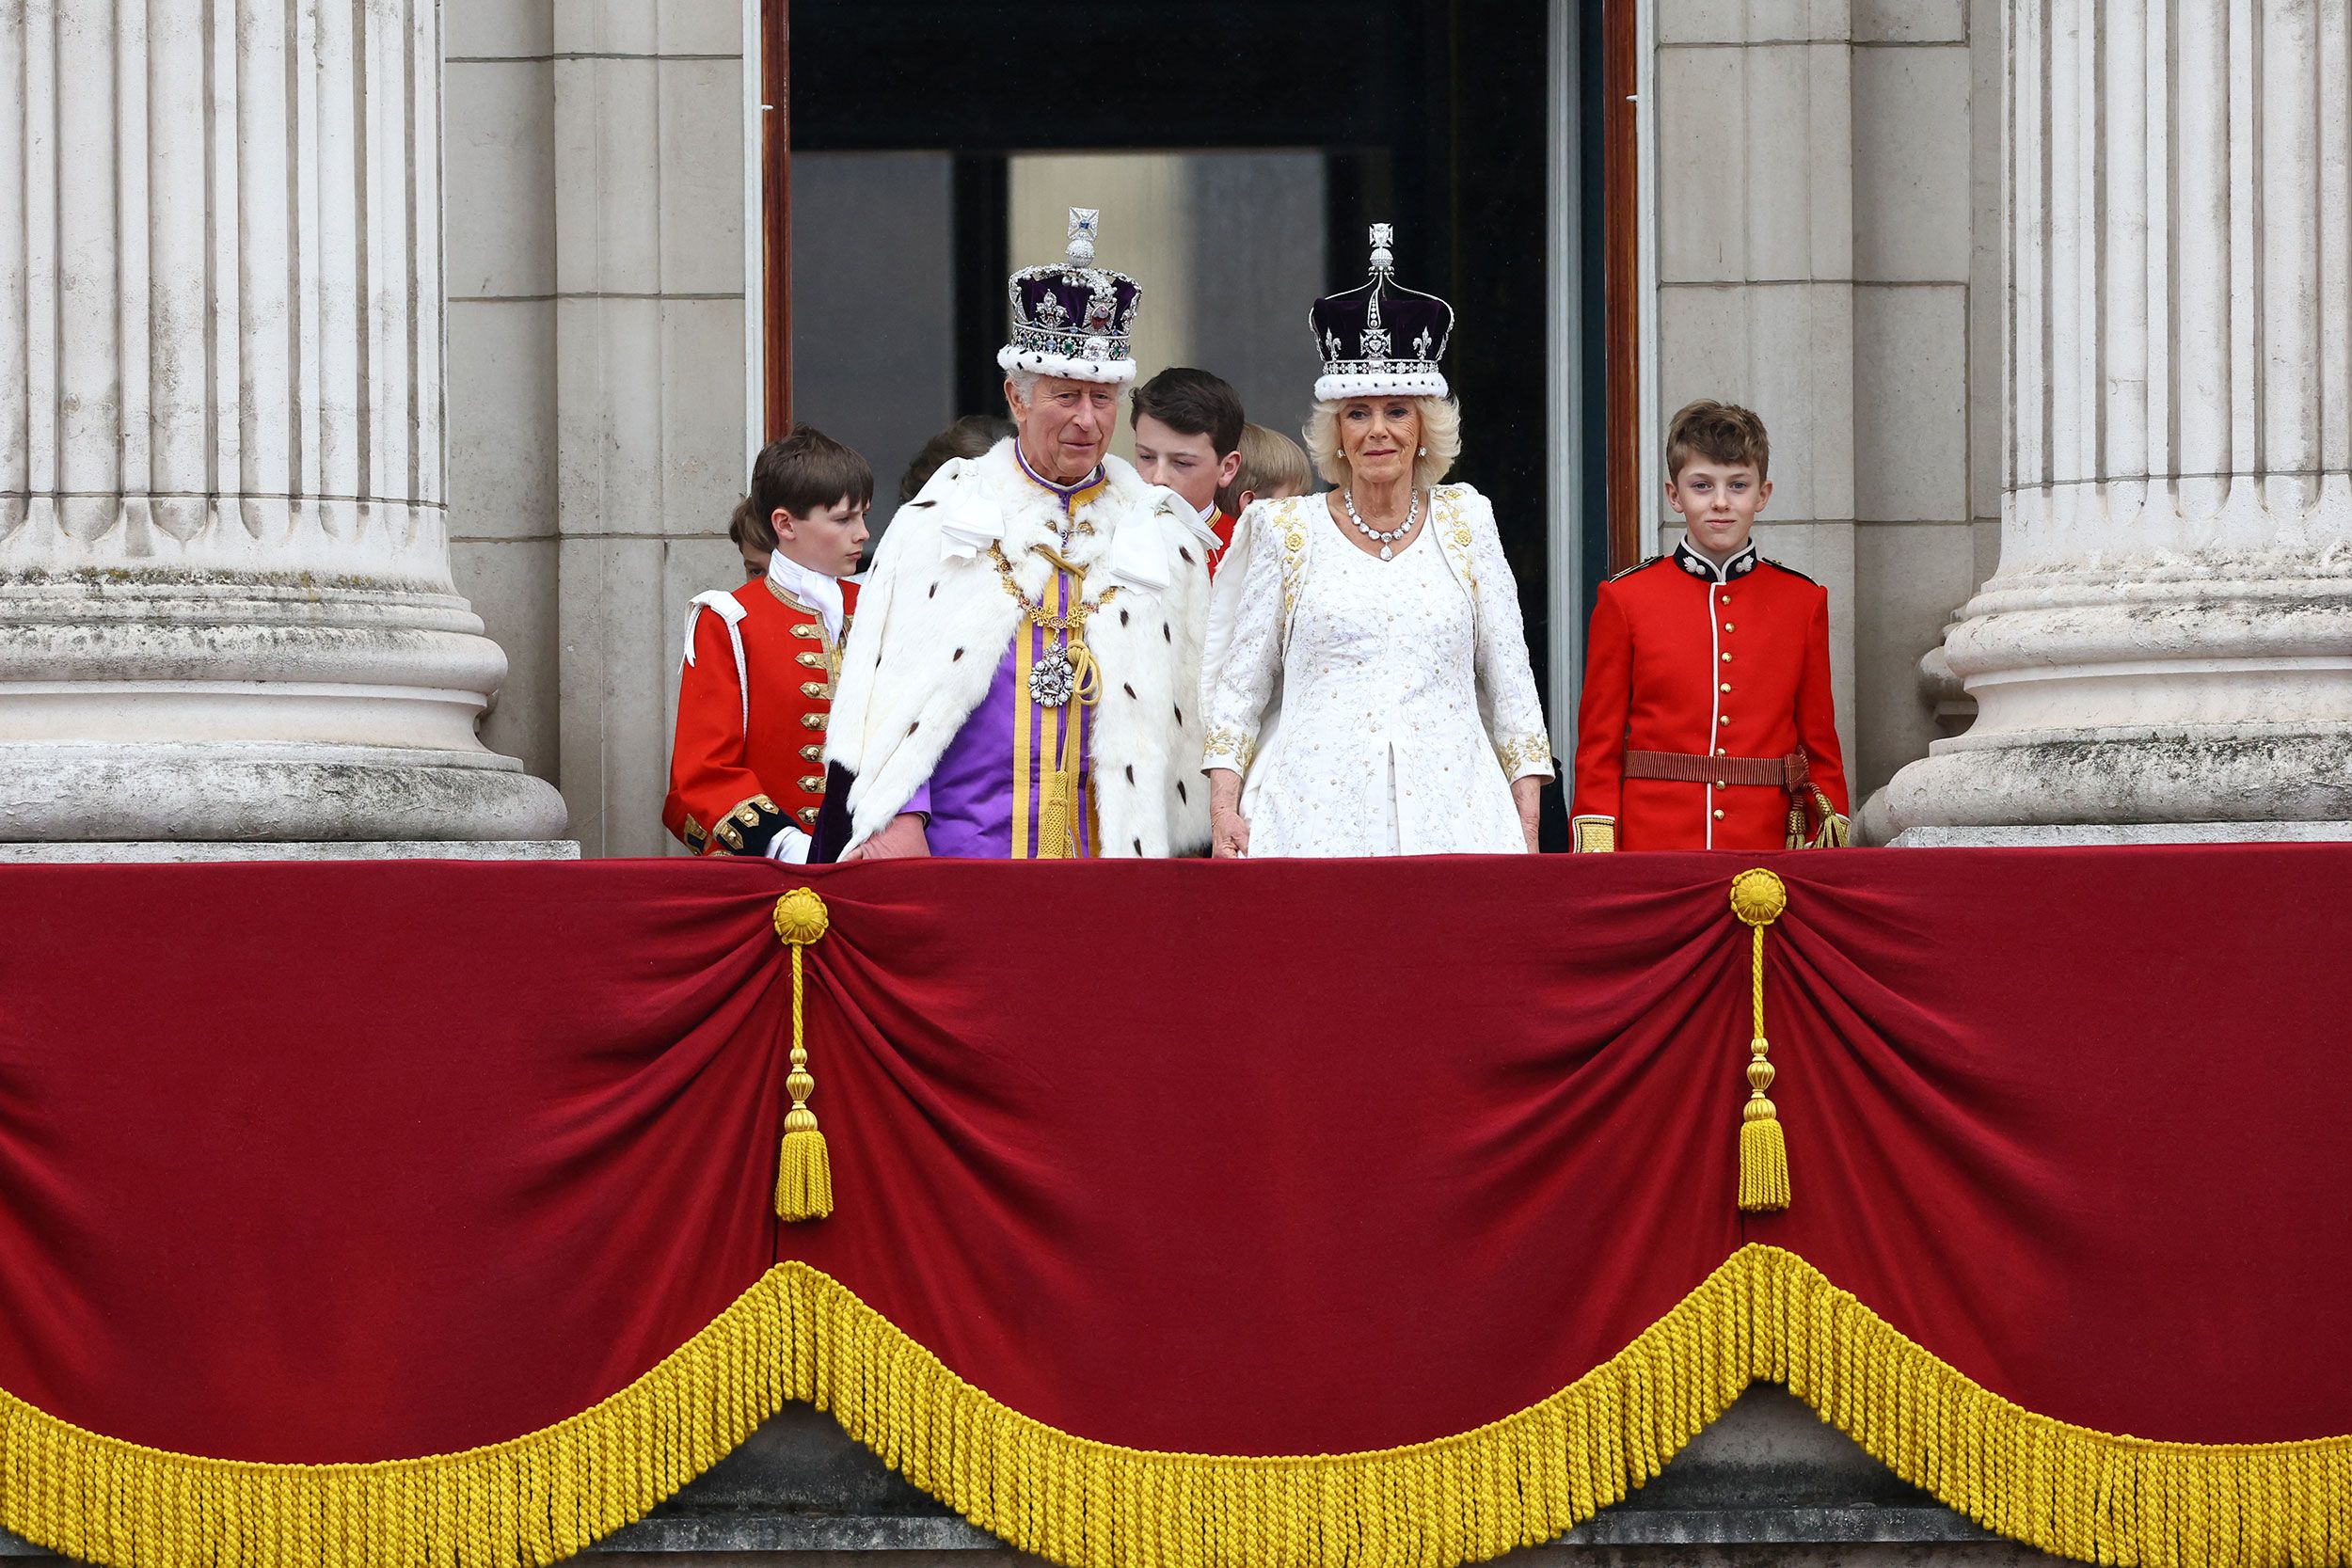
1347	499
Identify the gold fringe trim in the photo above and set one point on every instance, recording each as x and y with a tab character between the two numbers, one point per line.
1764	1315
533	1499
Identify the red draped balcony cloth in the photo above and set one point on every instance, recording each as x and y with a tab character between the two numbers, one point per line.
1189	1213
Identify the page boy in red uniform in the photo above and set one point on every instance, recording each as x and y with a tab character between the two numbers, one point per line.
1707	720
747	772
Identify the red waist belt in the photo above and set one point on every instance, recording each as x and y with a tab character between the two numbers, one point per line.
1790	772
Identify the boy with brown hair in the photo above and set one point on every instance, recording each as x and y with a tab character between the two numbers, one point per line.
746	770
1187	426
1706	719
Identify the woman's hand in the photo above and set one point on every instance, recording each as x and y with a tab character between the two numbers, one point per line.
1229	830
904	839
1524	795
1229	835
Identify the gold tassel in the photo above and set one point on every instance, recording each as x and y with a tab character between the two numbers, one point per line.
1757	897
1837	832
1763	1159
804	1168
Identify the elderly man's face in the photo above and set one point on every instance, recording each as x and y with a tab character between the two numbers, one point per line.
1064	425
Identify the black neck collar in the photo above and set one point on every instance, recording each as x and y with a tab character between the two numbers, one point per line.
1699	567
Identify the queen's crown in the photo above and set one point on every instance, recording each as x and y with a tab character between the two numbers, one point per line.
1381	339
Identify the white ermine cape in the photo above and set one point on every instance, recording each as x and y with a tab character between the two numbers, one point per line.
934	619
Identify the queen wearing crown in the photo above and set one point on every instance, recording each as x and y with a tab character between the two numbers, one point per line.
1367	683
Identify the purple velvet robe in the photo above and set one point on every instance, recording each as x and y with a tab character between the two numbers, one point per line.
986	797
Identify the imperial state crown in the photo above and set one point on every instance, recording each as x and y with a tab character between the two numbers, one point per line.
1070	317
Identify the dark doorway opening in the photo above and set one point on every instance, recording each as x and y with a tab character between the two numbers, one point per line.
930	140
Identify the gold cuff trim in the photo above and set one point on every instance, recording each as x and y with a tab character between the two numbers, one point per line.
1594	834
1229	748
748	813
1524	755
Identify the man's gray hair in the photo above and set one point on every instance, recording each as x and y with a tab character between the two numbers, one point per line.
1025	384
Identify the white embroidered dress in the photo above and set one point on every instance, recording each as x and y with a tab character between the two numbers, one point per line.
1373	707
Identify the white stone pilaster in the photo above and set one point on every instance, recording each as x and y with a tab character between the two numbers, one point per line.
2168	638
226	611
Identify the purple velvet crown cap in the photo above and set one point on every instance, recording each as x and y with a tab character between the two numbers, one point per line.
1071	318
1381	339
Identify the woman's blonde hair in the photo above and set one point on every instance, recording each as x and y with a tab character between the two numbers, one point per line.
1441	437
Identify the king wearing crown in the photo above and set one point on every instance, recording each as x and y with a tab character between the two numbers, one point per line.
1021	677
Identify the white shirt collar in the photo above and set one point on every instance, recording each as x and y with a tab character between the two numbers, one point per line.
814	589
1208	513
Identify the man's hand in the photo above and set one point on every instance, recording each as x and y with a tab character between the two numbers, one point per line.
904	839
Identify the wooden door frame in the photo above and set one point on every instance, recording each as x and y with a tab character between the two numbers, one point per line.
1621	234
775	216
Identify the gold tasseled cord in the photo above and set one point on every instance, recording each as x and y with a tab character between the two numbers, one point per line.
1757	898
803	1166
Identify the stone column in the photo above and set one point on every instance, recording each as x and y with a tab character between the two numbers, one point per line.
2166	651
226	611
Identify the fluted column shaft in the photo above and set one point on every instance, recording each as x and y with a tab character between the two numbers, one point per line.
227	286
225	599
2168	638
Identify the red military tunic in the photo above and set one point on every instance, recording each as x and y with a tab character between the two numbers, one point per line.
1222	526
1703	663
753	701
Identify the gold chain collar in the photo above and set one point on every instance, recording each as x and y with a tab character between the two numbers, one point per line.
1076	619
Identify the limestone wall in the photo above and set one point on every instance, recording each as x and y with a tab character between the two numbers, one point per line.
597	390
1828	243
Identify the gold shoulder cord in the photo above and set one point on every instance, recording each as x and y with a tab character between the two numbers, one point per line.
1068	676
